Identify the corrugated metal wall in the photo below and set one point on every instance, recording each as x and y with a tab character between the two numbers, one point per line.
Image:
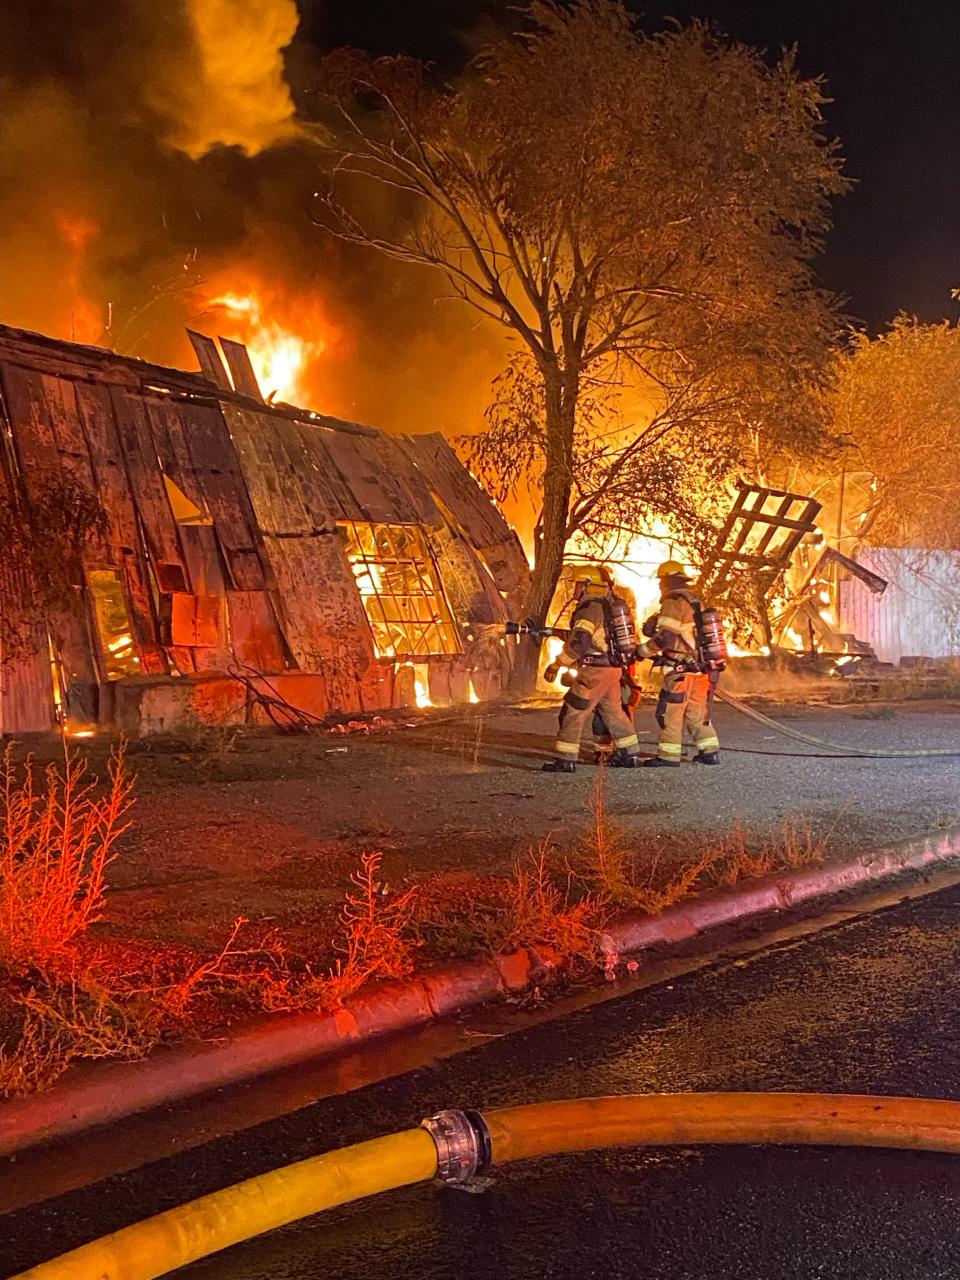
919	613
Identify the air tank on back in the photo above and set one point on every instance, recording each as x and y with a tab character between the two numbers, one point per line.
621	634
713	643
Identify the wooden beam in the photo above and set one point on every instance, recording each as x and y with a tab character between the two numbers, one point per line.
241	370
211	365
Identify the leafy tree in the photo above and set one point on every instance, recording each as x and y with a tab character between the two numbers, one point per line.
896	400
639	213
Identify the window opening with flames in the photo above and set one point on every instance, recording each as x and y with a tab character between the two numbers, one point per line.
113	623
400	589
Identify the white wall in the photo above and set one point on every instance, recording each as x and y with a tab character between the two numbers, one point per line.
918	614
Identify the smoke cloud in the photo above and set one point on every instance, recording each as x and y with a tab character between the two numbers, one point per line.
229	89
157	157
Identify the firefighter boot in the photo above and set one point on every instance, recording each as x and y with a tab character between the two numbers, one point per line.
707	757
622	759
559	766
655	762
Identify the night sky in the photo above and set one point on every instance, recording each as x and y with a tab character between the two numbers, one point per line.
893	68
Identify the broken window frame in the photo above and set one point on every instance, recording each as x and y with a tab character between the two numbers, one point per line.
122	660
424	625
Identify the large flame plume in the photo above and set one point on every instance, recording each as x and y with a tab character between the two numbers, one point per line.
287	335
163	162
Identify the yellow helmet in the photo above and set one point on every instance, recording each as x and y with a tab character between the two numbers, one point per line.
593	577
672	569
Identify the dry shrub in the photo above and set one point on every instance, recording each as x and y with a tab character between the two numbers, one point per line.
460	913
629	877
379	939
626	878
539	914
735	862
604	848
792	846
62	1024
796	846
56	844
254	975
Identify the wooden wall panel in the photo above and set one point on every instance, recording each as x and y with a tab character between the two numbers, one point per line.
474	512
311	470
26	683
323	620
95	415
34	439
146	480
365	467
277	502
254	632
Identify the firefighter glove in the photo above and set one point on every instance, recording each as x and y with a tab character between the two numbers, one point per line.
551	672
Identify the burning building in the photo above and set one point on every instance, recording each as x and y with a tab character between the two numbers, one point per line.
238	558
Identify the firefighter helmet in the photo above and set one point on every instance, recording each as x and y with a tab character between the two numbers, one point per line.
593	575
672	569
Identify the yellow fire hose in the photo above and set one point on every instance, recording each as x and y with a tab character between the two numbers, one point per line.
456	1145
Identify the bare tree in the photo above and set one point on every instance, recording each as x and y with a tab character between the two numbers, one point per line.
638	212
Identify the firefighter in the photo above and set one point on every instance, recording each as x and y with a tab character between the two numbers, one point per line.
687	691
596	685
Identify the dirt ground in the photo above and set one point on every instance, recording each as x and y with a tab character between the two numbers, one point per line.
269	827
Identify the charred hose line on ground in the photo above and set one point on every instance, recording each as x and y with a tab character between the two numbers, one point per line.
457	1146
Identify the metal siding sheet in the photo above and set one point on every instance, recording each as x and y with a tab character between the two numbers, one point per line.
919	613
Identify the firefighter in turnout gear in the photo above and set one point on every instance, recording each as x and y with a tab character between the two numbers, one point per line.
687	692
600	621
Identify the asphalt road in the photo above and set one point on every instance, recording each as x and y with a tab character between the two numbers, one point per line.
871	1005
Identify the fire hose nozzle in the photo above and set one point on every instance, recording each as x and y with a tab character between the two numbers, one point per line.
463	1144
530	629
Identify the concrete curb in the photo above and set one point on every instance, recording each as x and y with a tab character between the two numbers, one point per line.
97	1094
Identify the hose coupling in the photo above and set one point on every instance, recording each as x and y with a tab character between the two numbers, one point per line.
463	1144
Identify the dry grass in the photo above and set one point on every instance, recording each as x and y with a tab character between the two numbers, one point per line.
57	840
66	996
539	906
540	914
634	876
66	1022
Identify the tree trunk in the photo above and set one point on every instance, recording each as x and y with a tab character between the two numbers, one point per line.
560	399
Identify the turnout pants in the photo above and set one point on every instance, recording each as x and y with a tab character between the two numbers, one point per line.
684	705
595	689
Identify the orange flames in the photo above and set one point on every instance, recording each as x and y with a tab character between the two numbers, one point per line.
286	337
76	232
